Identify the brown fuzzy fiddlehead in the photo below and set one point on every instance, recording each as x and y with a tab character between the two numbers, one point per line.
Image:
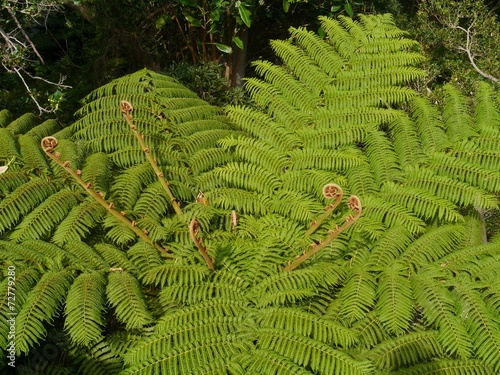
48	144
330	191
354	204
126	110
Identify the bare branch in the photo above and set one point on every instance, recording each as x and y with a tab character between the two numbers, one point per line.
26	37
58	84
468	49
30	93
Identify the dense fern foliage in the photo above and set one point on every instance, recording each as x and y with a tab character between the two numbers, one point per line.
161	235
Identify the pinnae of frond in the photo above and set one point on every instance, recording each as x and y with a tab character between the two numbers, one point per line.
193	231
126	110
48	144
354	204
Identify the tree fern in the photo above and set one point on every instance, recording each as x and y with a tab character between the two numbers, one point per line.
176	237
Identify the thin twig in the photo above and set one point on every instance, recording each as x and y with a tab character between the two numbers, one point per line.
468	50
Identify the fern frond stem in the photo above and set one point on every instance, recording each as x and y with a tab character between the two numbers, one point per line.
355	205
48	144
193	231
330	191
126	109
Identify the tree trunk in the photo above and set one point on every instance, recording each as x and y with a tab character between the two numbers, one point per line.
239	60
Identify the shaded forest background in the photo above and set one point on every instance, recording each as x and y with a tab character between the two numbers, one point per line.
208	44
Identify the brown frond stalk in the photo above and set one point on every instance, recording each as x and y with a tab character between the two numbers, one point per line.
126	110
193	232
354	205
330	191
48	144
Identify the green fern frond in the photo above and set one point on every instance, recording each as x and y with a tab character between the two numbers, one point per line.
206	159
25	280
361	180
370	331
473	152
481	324
310	353
331	138
11	181
476	175
256	152
144	256
181	274
262	127
312	181
86	256
406	142
303	66
225	285
5	118
127	186
206	139
293	91
242	201
421	202
412	348
439	310
97	359
260	361
43	220
272	101
45	129
429	125
115	257
449	367
308	325
242	175
444	187
23	124
15	251
96	171
465	256
486	114
153	202
390	246
79	222
32	156
318	50
391	214
357	297
40	306
382	158
296	205
23	200
8	146
119	233
433	245
334	160
214	307
182	359
127	299
457	119
187	335
84	308
394	300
